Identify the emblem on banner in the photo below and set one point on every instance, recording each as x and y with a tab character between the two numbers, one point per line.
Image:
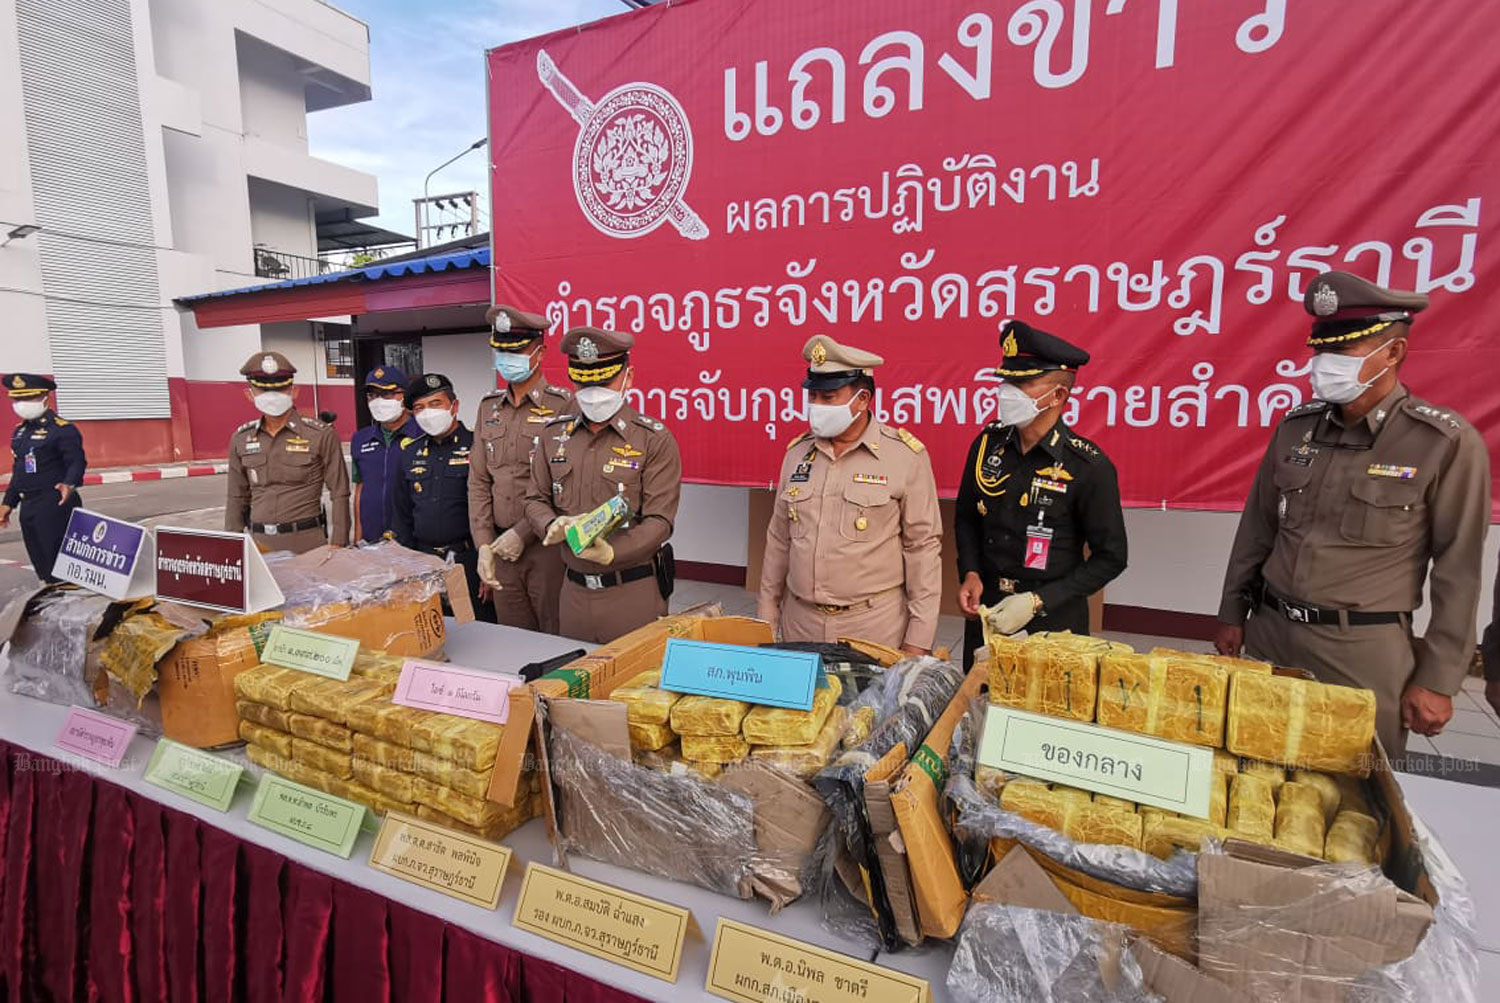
633	157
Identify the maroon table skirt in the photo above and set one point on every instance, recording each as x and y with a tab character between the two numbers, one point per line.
107	895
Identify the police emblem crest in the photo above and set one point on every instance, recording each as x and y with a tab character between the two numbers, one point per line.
587	350
819	354
502	323
267	365
633	157
1325	300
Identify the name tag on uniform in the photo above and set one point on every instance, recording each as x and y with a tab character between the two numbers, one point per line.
253	445
368	447
537	419
1038	546
296	449
871	479
1390	470
459	461
1043	484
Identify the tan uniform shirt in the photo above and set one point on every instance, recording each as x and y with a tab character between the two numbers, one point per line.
1351	517
848	528
576	469
505	436
281	479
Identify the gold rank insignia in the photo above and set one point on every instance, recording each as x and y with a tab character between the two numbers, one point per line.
912	442
417	487
627	451
1009	347
1056	473
981	508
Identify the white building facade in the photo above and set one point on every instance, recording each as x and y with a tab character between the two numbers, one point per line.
161	146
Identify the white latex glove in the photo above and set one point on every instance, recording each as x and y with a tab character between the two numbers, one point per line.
600	552
485	566
1013	613
557	529
510	546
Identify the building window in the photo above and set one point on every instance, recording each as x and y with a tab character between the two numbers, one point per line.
338	353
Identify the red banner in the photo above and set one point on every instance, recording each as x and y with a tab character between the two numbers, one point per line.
1157	181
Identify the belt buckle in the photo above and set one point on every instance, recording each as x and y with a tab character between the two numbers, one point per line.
829	609
1295	613
593	582
271	530
1007	585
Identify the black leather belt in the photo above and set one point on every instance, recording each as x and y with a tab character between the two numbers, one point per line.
273	529
610	579
443	549
1304	613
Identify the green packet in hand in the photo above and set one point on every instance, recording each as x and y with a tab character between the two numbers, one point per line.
597	524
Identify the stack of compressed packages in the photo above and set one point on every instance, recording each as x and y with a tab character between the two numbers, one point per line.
350	740
703	735
1288	752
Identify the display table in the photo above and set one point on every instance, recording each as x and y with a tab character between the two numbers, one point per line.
137	893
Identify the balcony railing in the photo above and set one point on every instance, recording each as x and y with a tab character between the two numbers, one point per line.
281	265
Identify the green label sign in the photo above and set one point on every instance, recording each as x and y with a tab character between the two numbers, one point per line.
1122	764
194	774
320	820
320	654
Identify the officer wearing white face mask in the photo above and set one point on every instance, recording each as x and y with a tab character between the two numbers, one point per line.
1034	494
599	447
525	576
854	545
47	465
432	483
280	463
1361	493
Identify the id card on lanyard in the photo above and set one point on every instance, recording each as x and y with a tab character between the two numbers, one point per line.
30	461
1038	546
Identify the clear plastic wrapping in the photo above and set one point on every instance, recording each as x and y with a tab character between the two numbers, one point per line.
909	699
981	819
1007	954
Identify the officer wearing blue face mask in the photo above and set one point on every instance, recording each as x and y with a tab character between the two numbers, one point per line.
523	576
375	452
1038	521
1364	495
48	465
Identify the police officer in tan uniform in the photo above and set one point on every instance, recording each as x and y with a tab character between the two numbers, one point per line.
280	463
1363	494
601	447
524	576
854	546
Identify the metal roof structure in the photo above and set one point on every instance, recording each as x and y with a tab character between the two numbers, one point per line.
373	272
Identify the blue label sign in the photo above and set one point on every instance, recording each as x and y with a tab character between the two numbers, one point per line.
755	675
101	554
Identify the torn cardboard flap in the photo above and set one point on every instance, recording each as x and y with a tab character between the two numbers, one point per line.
1019	880
457	587
1176	981
789	818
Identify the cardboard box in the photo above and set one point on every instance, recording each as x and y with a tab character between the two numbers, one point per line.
594	677
386	597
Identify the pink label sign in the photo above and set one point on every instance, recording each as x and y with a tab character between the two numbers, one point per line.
484	696
95	736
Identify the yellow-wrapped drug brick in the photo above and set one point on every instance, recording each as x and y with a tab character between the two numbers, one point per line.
1063	679
272	686
781	726
644	702
1225	763
330	761
1097	823
697	715
1269	772
469	743
1033	801
1300	723
267	738
1162	834
1299	819
1327	788
1218	799
316	729
650	737
861	723
715	748
804	761
1113	802
392	783
264	714
331	699
1353	838
1173	698
1252	808
1075	795
1352	796
436	769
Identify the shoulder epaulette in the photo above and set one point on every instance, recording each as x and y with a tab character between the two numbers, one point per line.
1311	407
247	426
646	421
312	422
560	417
1442	419
60	422
801	438
912	442
556	391
1084	447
